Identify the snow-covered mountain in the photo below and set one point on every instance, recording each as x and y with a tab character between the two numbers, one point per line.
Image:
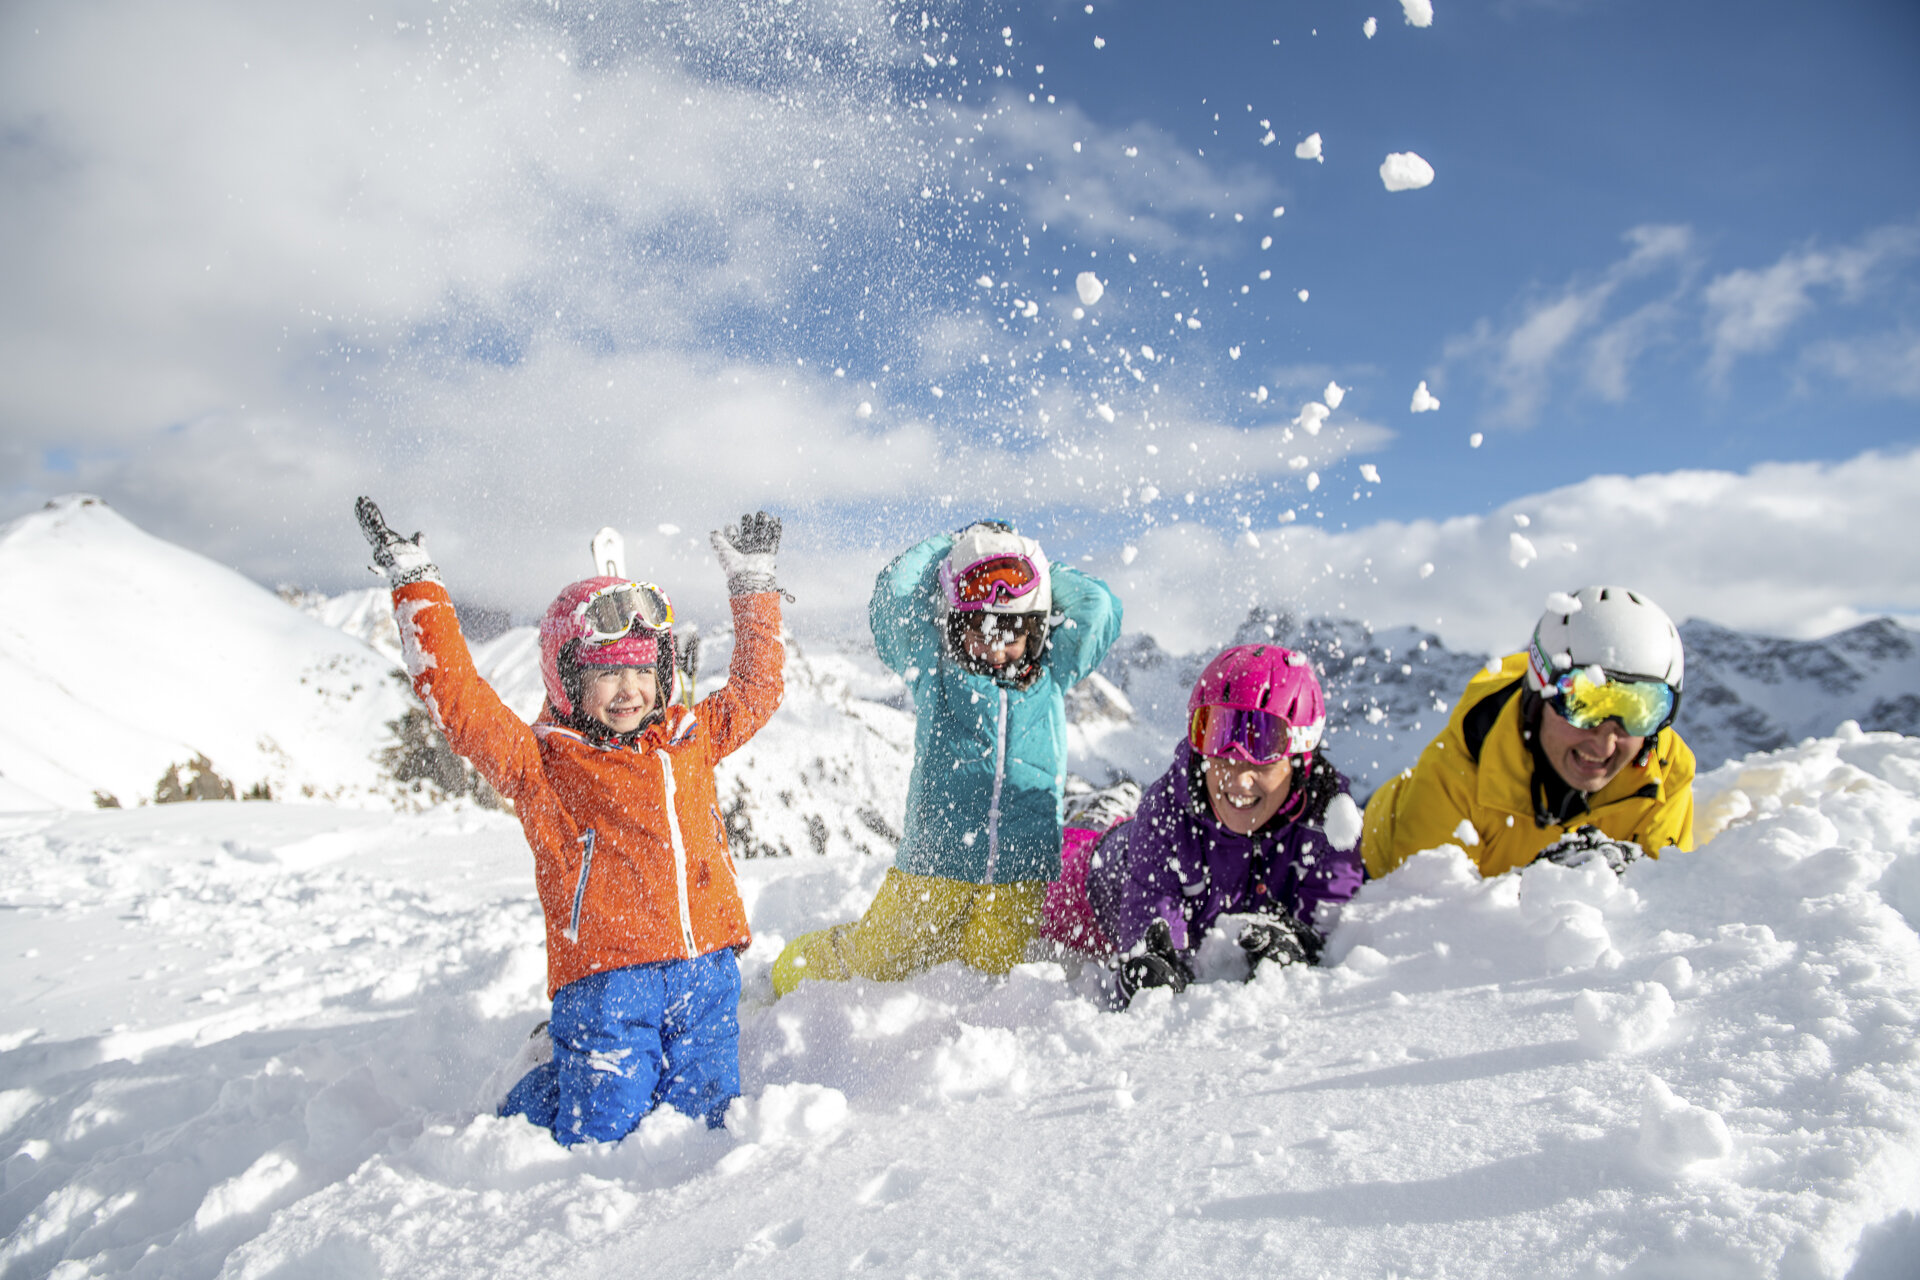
123	656
300	700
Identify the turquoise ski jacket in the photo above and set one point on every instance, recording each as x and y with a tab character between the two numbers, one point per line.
989	762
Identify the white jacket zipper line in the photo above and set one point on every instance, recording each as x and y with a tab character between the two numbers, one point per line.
679	854
999	783
572	931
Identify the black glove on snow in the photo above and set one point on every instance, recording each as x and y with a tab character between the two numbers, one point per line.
403	560
1280	939
1157	965
746	553
1577	848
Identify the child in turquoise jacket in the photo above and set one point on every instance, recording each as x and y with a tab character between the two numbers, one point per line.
989	637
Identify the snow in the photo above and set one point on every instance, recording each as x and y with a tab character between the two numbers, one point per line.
1419	12
1369	27
1425	401
1405	171
1089	287
262	1040
1333	395
1520	550
1307	150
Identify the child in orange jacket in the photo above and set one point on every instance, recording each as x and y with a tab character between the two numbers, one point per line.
614	787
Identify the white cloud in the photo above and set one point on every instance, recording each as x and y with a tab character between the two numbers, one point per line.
1521	360
1882	364
1787	548
1749	311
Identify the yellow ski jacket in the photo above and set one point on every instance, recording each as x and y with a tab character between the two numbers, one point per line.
1484	777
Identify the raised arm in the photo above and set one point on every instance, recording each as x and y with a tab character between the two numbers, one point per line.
464	707
755	680
904	610
1090	623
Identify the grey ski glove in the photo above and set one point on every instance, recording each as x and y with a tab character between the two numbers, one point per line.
403	560
746	553
1577	848
1279	940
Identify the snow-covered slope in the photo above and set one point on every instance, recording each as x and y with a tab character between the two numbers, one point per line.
122	655
255	1040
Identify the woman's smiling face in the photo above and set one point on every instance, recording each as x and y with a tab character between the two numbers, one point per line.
1245	796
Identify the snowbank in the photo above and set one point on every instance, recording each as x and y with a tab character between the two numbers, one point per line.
261	1040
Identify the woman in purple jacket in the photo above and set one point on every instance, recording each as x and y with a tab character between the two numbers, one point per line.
1238	826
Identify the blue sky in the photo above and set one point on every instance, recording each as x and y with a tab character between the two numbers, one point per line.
523	269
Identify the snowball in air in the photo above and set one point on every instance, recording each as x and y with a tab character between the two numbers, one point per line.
1312	414
865	410
1100	42
1333	395
1309	150
1128	553
1105	411
1520	551
1303	295
1369	473
1424	400
1370	26
1088	286
1561	602
985	282
1522	520
1313	481
1405	171
1426	570
1419	12
1473	441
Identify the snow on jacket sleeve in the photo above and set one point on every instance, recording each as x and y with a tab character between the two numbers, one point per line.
755	683
1090	625
463	705
904	611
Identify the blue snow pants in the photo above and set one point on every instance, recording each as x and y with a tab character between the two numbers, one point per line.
628	1040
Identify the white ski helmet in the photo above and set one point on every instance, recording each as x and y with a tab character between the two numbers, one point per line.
1620	631
992	569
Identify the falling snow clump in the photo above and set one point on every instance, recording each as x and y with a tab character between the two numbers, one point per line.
1309	150
1089	287
1424	401
1405	171
1419	12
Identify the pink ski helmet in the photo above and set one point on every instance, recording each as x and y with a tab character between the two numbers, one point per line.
1265	679
604	622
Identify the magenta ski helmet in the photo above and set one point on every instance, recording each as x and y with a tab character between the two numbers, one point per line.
604	622
1260	701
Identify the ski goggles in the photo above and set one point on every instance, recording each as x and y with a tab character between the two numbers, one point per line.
1258	737
1588	697
610	613
995	580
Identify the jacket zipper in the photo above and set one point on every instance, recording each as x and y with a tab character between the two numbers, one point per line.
572	930
999	781
679	855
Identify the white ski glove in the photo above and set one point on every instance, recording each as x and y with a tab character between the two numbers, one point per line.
746	553
403	560
1577	848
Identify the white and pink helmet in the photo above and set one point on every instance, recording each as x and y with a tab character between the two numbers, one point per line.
1260	701
604	622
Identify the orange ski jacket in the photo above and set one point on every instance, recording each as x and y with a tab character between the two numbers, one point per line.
629	847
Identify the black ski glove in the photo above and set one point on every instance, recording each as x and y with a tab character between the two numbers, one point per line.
746	553
1577	848
403	560
1280	939
1156	965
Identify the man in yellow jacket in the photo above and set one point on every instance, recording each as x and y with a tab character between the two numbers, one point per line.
1567	751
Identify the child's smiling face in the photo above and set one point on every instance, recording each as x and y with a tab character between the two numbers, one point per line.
619	697
996	644
1245	796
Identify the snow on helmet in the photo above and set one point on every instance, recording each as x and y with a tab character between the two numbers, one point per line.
1622	632
992	569
618	625
1270	679
997	583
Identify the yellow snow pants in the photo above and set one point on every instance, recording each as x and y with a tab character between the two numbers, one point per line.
915	923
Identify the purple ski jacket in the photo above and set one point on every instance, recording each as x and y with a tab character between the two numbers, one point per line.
1175	862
